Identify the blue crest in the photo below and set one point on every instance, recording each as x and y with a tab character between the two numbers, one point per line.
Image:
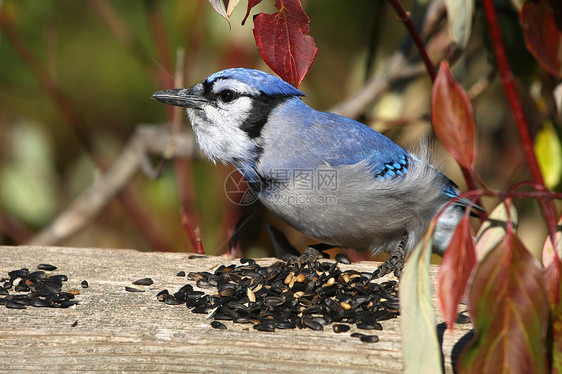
266	83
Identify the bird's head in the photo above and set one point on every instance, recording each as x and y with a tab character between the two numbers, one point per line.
229	109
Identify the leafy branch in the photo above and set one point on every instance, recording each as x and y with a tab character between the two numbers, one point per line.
507	301
282	37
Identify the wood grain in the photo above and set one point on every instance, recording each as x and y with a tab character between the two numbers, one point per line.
119	331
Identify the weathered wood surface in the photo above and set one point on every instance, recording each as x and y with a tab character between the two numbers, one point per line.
119	331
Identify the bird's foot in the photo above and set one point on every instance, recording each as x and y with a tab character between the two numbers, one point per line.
321	248
395	263
310	255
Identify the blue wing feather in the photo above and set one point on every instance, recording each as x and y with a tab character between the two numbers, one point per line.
360	143
314	138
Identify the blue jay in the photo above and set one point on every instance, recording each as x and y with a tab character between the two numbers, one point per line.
336	180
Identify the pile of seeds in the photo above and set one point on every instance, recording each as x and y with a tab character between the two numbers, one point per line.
35	288
287	295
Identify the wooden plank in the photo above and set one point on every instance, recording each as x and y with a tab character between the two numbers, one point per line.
122	331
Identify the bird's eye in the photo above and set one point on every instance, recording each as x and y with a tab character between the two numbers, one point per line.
227	95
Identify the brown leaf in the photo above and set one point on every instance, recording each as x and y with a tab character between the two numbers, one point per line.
451	114
543	35
552	282
509	306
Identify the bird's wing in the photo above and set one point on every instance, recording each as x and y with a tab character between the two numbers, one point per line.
353	142
356	143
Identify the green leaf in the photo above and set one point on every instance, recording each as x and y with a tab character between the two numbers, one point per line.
422	353
492	231
548	148
509	307
459	13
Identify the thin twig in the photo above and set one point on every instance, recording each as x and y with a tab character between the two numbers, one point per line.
548	209
395	68
84	209
161	41
405	18
125	35
77	124
11	228
46	81
182	167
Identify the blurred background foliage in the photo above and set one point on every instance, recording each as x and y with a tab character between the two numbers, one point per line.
108	57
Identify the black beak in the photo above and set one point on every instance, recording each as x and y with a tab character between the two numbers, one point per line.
184	97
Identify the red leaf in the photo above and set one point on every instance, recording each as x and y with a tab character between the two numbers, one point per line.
283	41
509	307
251	4
456	267
543	35
451	114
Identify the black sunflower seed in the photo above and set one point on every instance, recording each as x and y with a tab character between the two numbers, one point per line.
57	278
38	302
285	324
171	300
338	328
47	267
342	258
273	301
21	273
268	326
14	305
218	325
133	289
369	338
143	282
365	326
313	324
